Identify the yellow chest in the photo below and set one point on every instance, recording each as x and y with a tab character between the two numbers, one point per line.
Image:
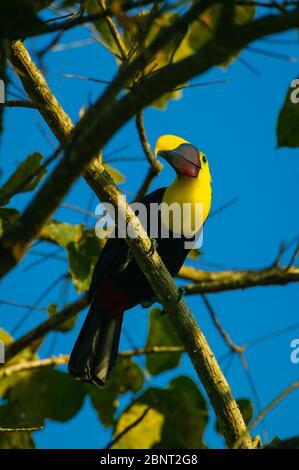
190	199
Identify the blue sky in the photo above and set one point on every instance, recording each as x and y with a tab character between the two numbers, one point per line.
234	124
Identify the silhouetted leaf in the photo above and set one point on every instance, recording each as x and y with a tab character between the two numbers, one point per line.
7	217
277	443
29	166
177	418
18	18
288	120
161	333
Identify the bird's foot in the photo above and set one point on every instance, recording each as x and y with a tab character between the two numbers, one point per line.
181	293
153	247
149	302
128	260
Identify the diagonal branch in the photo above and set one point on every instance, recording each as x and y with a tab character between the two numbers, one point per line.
227	339
114	31
155	165
49	325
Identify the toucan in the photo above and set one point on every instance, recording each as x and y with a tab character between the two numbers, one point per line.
118	284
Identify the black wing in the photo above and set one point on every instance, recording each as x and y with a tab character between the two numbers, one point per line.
115	252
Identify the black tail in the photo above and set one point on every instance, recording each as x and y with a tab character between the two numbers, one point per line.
95	352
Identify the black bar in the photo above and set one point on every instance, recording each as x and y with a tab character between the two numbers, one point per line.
143	458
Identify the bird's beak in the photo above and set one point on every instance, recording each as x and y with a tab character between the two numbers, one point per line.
184	159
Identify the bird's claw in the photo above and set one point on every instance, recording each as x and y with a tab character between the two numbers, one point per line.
181	293
153	247
149	302
128	260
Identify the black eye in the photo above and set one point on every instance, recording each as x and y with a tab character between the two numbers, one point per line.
204	159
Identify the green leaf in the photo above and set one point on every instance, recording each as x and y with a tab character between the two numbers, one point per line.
7	218
203	31
246	408
62	233
288	120
31	397
127	376
144	435
24	170
82	256
177	418
83	248
161	333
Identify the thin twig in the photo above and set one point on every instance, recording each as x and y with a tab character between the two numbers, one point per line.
114	32
15	304
234	347
20	104
155	165
62	359
269	408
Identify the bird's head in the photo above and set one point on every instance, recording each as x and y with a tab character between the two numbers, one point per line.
184	157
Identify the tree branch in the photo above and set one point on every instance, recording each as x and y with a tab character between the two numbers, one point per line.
41	330
54	361
209	282
114	32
